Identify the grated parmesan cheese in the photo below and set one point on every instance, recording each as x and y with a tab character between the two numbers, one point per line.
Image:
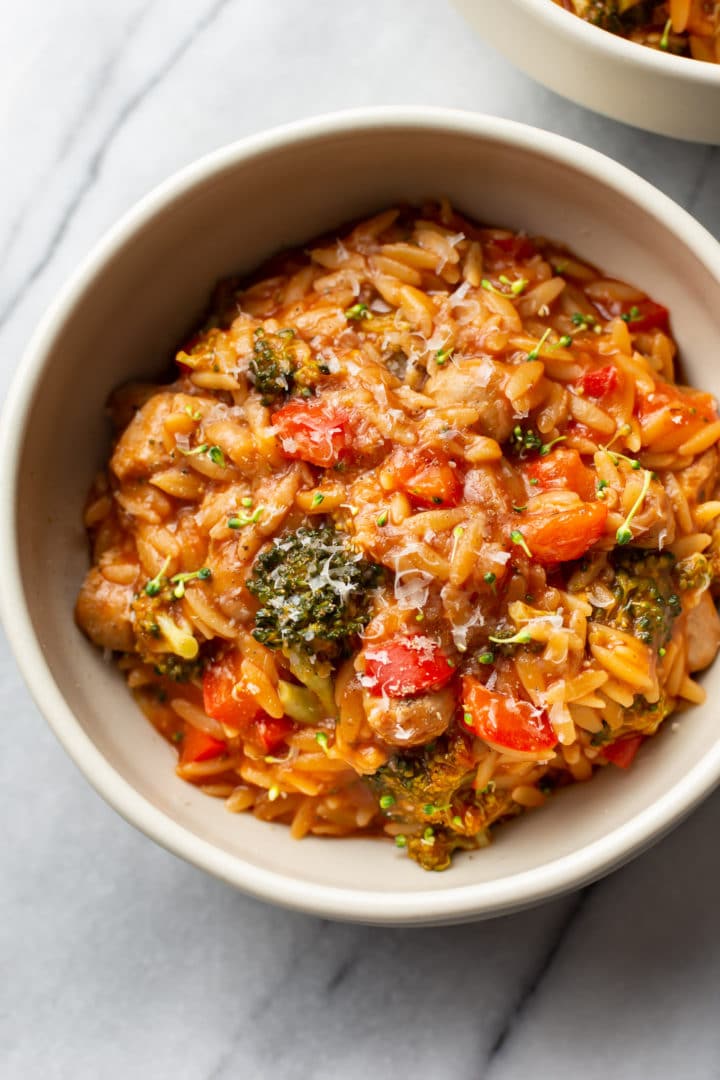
412	593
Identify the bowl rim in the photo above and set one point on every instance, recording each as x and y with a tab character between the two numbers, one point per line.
453	904
577	30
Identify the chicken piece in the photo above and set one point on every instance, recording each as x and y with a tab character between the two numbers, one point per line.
482	489
140	449
654	524
702	633
103	612
478	383
410	721
702	475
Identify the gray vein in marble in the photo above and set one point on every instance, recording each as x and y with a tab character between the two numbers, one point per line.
340	974
95	163
530	987
90	99
268	998
706	166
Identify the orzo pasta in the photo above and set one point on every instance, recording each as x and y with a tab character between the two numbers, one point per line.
683	27
421	529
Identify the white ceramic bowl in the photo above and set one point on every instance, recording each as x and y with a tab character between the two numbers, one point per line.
672	95
119	318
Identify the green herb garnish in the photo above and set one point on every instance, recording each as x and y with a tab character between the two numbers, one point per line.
578	319
180	580
535	352
624	533
517	538
522	637
547	447
154	586
515	287
357	312
239	521
665	39
322	739
202	449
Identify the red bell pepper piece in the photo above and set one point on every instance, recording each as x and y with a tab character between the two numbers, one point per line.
404	666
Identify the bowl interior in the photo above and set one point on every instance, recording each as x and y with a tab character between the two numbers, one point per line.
140	300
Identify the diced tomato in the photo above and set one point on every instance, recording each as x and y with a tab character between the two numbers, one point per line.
562	469
565	535
509	249
199	746
313	431
598	383
504	721
429	479
686	404
226	701
622	753
646	315
640	315
223	698
404	666
271	731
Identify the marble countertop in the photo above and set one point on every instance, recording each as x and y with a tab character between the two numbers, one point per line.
117	959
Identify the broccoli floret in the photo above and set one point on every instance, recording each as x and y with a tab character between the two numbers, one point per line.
272	368
604	735
609	15
694	572
646	717
279	367
314	592
603	13
430	790
423	782
433	849
169	666
646	600
642	718
163	637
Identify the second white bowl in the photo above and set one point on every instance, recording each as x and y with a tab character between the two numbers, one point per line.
672	95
